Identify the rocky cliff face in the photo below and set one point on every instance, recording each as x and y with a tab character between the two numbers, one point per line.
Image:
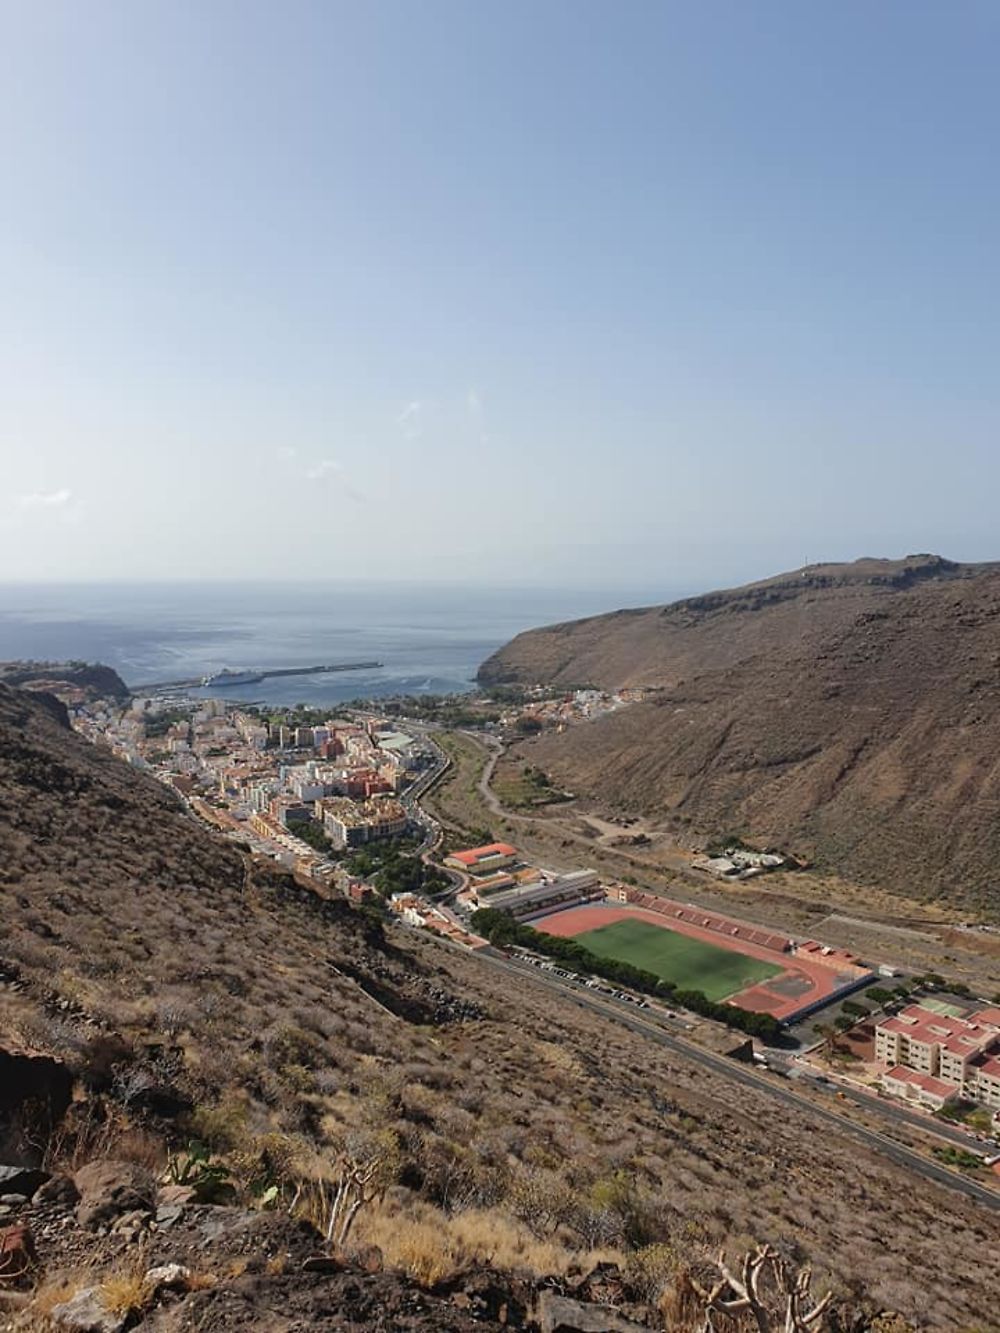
662	645
868	742
96	681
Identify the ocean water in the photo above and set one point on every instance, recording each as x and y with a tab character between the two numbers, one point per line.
430	639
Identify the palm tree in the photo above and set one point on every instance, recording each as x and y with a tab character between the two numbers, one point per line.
828	1033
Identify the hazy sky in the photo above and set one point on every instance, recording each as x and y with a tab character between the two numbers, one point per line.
587	292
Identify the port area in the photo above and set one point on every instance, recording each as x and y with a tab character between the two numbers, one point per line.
223	678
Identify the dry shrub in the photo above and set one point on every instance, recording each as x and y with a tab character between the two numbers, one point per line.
651	1270
423	1253
140	1147
266	1159
54	1291
427	1244
86	1139
492	1236
126	1293
200	1281
558	1057
223	1127
102	1132
682	1309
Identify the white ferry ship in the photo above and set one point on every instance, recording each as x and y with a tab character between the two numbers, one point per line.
226	677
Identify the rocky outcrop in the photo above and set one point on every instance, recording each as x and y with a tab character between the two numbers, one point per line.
100	682
32	1087
21	1180
87	1312
562	1314
109	1189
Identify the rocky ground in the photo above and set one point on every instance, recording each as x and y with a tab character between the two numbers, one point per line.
105	1249
172	1010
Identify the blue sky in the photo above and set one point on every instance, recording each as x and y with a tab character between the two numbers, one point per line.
582	293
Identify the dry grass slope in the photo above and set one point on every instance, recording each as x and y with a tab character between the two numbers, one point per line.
153	958
854	722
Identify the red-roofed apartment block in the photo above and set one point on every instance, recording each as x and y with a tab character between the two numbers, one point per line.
952	1051
922	1088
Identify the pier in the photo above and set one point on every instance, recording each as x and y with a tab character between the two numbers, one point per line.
254	677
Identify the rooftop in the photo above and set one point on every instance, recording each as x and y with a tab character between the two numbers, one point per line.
352	814
955	1034
474	854
935	1086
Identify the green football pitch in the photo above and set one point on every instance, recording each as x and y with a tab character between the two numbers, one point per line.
689	963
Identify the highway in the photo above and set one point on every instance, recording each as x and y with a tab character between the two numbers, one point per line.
897	1114
769	1084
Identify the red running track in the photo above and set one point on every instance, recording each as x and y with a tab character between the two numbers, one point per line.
800	982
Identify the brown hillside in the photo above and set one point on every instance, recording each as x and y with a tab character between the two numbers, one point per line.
870	744
662	645
192	994
94	680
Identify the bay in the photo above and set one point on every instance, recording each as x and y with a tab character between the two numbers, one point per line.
430	638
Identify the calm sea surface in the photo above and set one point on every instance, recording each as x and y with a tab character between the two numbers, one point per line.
430	639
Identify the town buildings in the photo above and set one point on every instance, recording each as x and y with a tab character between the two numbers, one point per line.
350	823
268	783
544	892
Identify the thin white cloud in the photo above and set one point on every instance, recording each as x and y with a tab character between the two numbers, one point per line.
475	403
323	469
286	451
409	419
45	499
329	467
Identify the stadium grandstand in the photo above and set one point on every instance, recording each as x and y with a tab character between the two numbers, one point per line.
547	893
697	916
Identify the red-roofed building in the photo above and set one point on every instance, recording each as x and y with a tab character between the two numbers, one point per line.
478	860
838	959
952	1051
922	1088
984	1081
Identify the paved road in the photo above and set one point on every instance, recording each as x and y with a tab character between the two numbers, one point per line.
902	1115
486	777
897	1116
748	1076
432	829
